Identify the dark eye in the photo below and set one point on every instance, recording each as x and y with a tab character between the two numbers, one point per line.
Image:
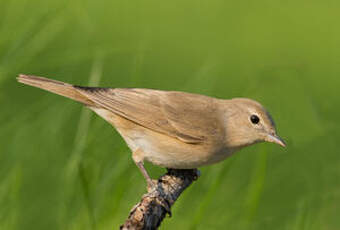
254	119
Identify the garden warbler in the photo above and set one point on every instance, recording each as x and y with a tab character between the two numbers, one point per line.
172	129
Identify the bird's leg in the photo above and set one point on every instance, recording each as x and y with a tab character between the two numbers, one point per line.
138	157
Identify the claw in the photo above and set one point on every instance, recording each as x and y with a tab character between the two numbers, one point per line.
165	204
152	187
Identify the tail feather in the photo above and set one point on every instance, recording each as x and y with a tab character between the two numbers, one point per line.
57	87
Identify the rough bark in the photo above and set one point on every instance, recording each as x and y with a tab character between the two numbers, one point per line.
154	205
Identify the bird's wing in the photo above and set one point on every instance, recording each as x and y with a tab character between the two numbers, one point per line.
188	117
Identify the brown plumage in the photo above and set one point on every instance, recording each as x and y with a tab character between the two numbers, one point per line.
169	128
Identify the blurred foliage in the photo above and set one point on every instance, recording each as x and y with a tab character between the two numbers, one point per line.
62	167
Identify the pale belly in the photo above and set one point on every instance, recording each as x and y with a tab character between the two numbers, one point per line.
169	152
162	150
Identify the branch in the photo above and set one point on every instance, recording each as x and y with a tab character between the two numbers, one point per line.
154	205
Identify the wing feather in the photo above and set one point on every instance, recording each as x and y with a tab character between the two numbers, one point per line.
190	118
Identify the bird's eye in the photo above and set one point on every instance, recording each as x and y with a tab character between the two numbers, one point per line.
254	119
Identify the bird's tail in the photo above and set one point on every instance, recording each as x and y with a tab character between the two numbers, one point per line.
57	87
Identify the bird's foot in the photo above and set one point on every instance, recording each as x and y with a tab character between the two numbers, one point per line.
155	192
164	203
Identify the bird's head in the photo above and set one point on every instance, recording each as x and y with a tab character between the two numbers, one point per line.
248	122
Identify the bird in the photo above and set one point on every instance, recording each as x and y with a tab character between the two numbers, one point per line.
172	129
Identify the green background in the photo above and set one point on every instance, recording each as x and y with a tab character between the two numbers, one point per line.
63	167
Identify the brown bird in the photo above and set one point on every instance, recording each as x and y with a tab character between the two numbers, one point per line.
172	129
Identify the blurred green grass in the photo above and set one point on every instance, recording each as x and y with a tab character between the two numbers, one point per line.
62	167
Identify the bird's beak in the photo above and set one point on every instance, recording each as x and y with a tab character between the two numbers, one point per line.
275	139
